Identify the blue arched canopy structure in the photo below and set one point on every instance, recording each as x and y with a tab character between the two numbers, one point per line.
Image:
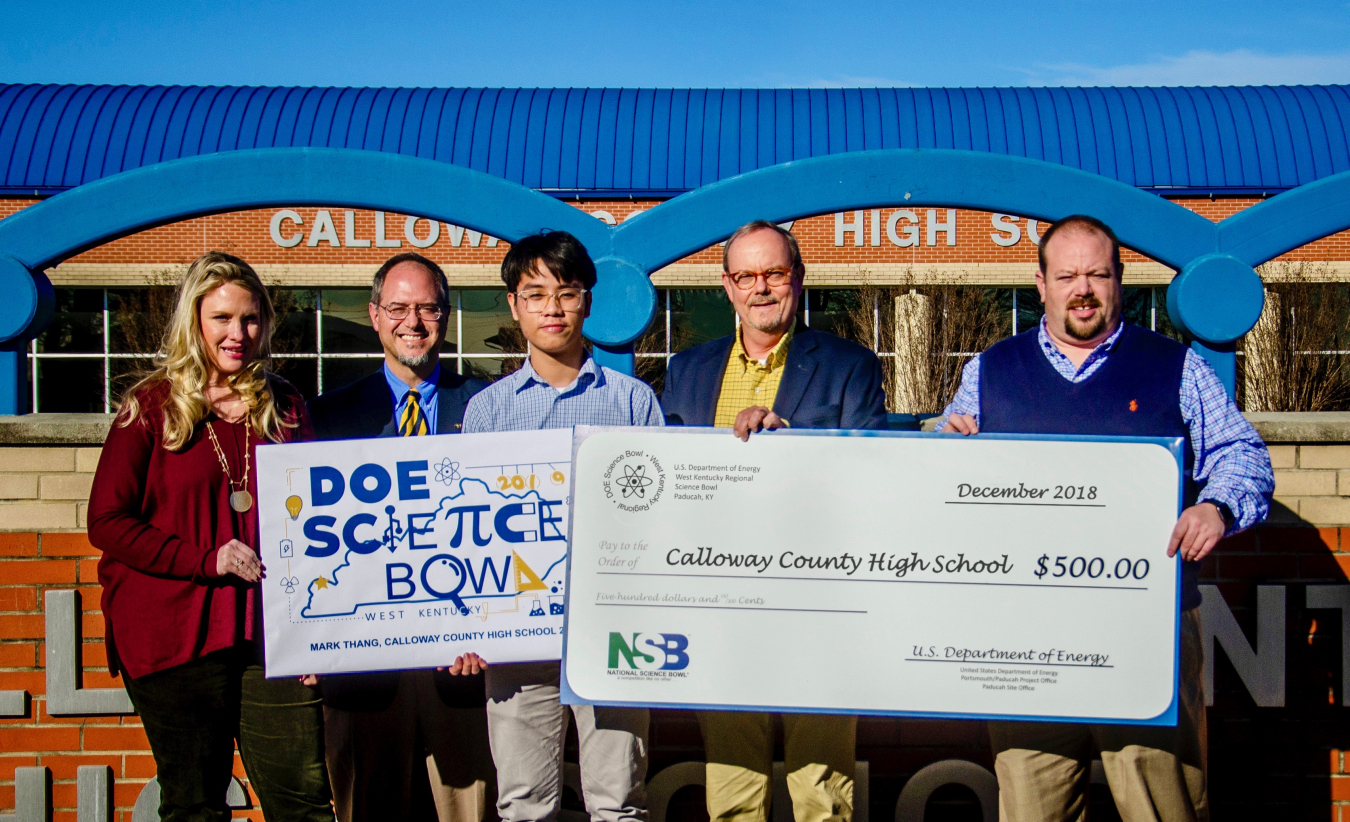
1216	298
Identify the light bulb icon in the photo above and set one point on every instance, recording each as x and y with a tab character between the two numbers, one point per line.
293	505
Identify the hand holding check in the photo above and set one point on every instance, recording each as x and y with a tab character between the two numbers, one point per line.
754	419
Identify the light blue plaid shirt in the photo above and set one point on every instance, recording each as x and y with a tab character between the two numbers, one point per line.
598	396
1232	464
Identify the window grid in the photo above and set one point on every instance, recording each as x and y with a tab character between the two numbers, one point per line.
318	342
106	356
320	356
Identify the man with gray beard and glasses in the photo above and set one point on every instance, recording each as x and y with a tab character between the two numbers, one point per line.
774	374
405	744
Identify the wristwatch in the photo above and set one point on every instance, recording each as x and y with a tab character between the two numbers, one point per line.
1225	512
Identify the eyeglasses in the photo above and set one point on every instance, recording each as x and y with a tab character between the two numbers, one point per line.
569	299
745	280
428	312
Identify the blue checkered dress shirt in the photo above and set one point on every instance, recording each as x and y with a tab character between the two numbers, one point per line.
598	396
1232	464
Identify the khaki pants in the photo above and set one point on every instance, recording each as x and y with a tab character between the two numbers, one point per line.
818	755
1156	774
371	757
527	725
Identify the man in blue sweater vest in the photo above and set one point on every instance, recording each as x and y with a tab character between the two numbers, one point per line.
1083	371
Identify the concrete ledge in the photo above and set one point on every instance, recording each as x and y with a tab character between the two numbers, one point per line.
1302	427
55	429
91	429
1286	427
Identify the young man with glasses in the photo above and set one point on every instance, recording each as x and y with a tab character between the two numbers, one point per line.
773	374
389	735
548	282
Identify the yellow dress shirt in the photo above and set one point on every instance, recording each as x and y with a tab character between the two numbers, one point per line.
748	382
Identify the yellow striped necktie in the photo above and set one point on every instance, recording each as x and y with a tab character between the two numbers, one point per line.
413	423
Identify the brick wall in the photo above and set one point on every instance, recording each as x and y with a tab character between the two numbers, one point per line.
30	565
46	489
1276	762
43	497
1312	483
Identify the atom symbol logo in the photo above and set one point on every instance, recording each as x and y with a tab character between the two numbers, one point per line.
634	481
447	471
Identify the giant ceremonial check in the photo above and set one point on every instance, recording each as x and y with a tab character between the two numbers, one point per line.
403	552
869	572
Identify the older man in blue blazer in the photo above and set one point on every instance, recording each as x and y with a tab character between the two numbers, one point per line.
392	735
773	374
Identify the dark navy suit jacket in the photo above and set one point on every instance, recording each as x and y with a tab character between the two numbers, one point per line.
828	382
366	409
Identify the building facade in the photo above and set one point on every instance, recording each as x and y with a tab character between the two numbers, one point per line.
321	260
613	153
1277	613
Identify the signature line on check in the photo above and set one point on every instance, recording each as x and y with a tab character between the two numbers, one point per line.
887	581
726	608
1001	662
1036	504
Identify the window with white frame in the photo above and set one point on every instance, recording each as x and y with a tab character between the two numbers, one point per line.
100	338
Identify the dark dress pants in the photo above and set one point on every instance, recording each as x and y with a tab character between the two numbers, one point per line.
194	713
415	759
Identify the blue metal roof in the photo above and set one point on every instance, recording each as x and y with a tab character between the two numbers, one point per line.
654	142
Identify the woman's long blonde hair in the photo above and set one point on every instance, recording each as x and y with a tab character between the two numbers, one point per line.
184	366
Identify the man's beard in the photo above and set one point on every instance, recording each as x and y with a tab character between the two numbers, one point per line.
1089	328
767	327
414	362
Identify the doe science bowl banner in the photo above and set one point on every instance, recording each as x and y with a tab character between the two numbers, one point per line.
403	552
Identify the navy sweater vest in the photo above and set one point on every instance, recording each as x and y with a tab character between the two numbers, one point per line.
1136	392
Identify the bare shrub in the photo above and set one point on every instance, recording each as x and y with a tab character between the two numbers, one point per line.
652	370
1291	359
509	340
949	321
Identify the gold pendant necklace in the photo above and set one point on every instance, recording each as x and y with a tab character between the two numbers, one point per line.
240	499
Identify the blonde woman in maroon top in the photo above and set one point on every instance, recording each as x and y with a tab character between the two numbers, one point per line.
172	509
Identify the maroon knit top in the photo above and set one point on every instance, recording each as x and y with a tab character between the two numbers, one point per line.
159	517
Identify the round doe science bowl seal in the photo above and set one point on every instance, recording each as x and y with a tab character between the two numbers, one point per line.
634	481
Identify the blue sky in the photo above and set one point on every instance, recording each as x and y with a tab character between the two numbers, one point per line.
676	43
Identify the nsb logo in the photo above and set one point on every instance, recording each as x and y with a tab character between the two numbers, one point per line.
649	652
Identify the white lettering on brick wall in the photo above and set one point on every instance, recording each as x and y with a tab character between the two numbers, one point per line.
854	227
874	228
935	227
911	237
1008	231
324	231
410	232
275	228
419	232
